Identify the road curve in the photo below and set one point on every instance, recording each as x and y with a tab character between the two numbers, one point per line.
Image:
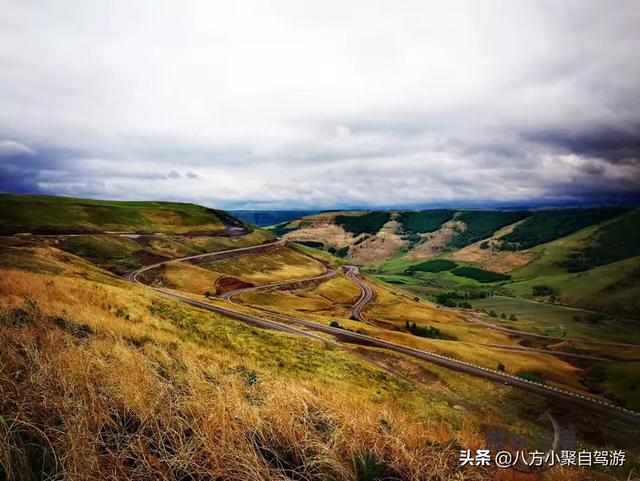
133	276
549	392
353	273
324	276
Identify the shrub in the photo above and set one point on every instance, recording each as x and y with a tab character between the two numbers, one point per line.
513	317
501	367
595	318
543	291
429	332
503	316
310	243
484	245
534	376
493	314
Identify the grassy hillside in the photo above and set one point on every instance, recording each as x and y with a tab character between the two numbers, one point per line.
481	224
547	225
104	379
47	214
504	251
123	254
612	242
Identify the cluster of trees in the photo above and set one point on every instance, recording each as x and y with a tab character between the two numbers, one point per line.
512	317
310	243
341	252
370	223
423	221
482	224
429	332
547	225
612	242
543	291
362	239
450	299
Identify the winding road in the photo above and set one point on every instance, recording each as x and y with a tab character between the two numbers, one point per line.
322	277
353	273
549	392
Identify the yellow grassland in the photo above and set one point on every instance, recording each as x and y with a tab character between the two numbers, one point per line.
278	264
102	379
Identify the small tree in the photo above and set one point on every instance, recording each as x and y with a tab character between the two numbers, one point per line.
503	315
513	317
493	314
501	367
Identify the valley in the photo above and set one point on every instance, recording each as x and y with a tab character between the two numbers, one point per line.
400	317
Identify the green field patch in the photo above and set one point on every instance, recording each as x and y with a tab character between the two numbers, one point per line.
480	275
435	265
556	320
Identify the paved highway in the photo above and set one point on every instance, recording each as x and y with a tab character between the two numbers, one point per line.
327	275
366	294
132	276
549	392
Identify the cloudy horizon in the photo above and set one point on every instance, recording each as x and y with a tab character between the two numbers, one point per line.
294	105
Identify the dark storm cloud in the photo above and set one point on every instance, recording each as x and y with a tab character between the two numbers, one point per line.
270	104
614	145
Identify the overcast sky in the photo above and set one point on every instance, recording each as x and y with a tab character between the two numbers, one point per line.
324	104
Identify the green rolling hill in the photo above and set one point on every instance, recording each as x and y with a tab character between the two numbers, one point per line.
53	215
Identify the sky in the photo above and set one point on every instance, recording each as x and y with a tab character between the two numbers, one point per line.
332	104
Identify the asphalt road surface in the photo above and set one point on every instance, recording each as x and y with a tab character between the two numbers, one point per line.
353	273
549	392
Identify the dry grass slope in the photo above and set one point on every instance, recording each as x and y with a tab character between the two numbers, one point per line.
104	381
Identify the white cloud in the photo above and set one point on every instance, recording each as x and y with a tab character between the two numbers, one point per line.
302	103
13	148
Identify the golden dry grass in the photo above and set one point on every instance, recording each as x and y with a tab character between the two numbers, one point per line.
278	264
390	309
103	380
